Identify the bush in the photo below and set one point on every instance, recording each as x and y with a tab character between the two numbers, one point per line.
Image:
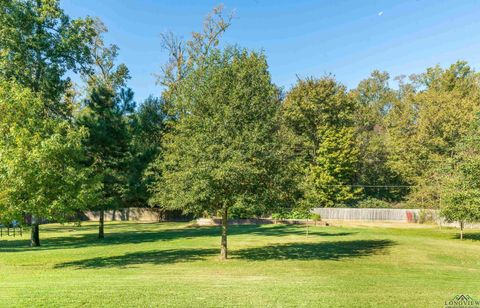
294	215
426	216
316	217
278	216
373	203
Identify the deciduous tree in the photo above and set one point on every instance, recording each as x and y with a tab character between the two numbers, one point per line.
39	43
41	170
318	117
461	181
222	152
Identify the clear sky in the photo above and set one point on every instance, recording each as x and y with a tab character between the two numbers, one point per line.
300	37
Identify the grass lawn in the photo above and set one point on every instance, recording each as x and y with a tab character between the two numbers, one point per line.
172	264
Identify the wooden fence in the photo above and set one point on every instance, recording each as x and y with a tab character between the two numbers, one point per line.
394	215
368	214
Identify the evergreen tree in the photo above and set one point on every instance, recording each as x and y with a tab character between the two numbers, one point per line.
148	125
104	115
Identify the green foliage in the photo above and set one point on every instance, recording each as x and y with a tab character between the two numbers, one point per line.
425	125
148	125
426	216
41	170
107	146
39	43
374	100
461	194
105	116
327	180
295	214
373	203
222	151
317	120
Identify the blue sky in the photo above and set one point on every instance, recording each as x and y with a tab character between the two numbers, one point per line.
300	38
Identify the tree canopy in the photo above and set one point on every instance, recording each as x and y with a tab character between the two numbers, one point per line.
39	43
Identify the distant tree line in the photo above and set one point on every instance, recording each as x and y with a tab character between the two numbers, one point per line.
222	139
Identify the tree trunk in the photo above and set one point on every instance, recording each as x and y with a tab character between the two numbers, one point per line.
100	225
223	251
35	235
461	230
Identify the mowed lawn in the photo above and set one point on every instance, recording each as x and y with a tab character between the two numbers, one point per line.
174	264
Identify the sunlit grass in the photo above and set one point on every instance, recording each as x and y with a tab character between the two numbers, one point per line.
174	264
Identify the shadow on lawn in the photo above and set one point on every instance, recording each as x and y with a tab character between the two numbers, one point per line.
292	251
144	257
116	235
468	236
315	251
111	238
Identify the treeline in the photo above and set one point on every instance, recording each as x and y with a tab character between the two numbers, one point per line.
222	139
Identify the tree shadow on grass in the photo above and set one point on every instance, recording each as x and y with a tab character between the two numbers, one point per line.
315	251
111	238
144	257
293	251
284	230
141	234
468	236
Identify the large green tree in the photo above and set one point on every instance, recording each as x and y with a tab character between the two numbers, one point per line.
317	118
39	43
222	152
41	170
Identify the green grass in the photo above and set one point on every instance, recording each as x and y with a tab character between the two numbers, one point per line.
172	264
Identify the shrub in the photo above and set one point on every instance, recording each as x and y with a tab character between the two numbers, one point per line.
278	216
426	216
373	203
295	215
316	217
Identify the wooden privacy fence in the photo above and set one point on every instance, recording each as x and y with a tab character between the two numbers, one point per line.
369	214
